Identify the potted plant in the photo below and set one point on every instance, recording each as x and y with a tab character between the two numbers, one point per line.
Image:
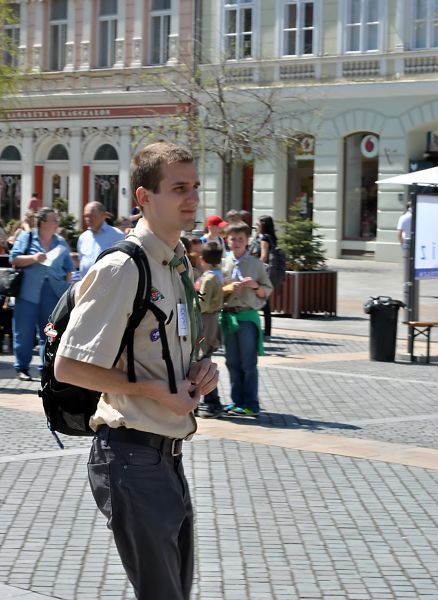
67	223
309	287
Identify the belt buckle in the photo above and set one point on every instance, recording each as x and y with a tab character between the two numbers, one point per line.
176	450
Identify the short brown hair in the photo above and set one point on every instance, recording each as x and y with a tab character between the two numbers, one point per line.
146	164
238	227
212	253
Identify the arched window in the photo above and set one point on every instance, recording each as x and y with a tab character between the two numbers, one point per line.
58	152
106	152
10	153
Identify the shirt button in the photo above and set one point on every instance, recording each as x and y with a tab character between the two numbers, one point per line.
185	338
164	263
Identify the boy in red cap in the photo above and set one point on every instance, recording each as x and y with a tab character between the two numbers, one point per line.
215	225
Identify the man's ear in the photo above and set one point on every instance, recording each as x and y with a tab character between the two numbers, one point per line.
142	196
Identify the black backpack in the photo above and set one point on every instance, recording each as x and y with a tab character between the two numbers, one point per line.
68	408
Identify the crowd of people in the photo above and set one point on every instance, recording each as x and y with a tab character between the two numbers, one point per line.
227	263
221	276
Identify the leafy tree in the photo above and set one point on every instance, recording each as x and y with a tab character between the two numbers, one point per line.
9	69
304	248
237	123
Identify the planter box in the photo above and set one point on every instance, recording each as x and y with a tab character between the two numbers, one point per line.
306	293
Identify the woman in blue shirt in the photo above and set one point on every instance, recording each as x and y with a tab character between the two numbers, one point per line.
47	268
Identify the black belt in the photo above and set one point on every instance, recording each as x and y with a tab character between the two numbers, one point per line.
233	309
173	446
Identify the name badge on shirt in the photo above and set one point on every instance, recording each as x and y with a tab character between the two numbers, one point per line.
183	326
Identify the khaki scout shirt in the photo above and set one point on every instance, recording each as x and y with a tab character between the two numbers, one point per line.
249	266
103	304
212	296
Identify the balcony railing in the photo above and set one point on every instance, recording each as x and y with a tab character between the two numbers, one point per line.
305	69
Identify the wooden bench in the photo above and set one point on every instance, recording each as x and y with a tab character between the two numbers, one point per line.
418	328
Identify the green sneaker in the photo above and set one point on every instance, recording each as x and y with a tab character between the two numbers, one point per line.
243	412
228	407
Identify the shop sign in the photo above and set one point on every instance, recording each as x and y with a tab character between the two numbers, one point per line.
369	146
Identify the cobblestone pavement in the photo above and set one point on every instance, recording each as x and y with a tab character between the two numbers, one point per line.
273	520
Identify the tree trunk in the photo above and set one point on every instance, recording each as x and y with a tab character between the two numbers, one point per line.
227	166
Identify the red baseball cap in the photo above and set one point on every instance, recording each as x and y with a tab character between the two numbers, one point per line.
214	221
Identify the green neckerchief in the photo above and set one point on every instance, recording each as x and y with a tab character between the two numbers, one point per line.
229	322
193	306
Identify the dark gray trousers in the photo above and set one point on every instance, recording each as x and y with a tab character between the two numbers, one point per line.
144	495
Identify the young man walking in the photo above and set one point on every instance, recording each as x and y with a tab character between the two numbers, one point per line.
135	468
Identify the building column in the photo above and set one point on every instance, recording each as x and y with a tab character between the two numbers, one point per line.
86	36
75	177
400	27
70	43
137	40
27	182
400	24
328	192
38	29
263	194
24	33
174	34
85	193
120	40
124	201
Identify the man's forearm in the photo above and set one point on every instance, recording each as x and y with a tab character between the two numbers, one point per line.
114	381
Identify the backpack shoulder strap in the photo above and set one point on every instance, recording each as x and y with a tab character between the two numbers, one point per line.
142	303
140	307
29	242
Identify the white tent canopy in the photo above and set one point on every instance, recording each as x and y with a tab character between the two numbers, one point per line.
423	177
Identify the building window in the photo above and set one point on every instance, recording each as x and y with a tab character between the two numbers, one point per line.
362	26
425	24
57	34
298	28
107	27
361	167
10	153
160	30
238	29
106	152
58	152
12	33
10	197
106	190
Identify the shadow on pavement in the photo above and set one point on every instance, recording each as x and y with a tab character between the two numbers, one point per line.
322	318
273	420
18	391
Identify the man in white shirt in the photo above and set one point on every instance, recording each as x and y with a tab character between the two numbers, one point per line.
404	227
98	237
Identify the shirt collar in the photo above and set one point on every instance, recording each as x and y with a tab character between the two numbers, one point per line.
155	247
101	229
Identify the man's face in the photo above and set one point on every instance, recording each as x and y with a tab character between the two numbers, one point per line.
173	208
237	242
93	218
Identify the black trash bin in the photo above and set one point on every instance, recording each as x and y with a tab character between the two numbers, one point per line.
383	313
